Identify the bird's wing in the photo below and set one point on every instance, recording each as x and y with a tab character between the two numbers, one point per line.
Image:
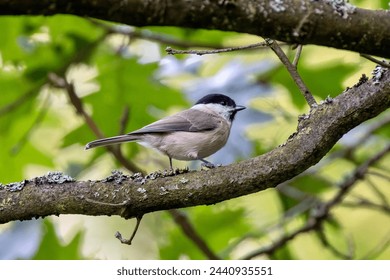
189	120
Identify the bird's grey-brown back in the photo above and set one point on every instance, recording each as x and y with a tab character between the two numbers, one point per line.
188	120
202	133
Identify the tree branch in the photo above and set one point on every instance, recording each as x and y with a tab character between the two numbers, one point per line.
317	133
326	23
323	209
292	69
171	51
182	220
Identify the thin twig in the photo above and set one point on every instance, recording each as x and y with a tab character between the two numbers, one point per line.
124	119
377	61
171	51
373	128
297	55
378	192
325	242
323	210
270	249
293	72
186	226
118	235
383	176
306	202
363	202
359	174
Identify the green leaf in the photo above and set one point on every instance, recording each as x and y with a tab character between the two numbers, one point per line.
17	151
126	82
384	4
384	131
312	184
282	253
216	225
308	186
81	134
51	248
327	82
13	30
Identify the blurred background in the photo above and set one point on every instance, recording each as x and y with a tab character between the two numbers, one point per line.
125	80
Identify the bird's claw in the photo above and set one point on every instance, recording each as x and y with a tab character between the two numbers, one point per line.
209	165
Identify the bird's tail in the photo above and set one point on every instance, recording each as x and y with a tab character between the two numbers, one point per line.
111	141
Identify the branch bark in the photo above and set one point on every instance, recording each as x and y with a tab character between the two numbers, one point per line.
327	23
131	196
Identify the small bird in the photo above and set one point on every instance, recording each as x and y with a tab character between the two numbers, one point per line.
192	134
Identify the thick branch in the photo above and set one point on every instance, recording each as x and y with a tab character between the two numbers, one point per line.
130	197
321	22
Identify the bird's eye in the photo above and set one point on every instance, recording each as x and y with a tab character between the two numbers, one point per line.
223	103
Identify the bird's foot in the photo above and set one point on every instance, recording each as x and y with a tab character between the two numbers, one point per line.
209	165
176	171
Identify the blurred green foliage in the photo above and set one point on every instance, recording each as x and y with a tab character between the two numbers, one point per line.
39	131
51	247
218	225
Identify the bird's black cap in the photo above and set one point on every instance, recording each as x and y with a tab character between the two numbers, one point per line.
217	98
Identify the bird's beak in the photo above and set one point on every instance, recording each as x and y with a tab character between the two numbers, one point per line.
239	108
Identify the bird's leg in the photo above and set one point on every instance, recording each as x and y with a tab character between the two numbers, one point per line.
170	163
207	164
